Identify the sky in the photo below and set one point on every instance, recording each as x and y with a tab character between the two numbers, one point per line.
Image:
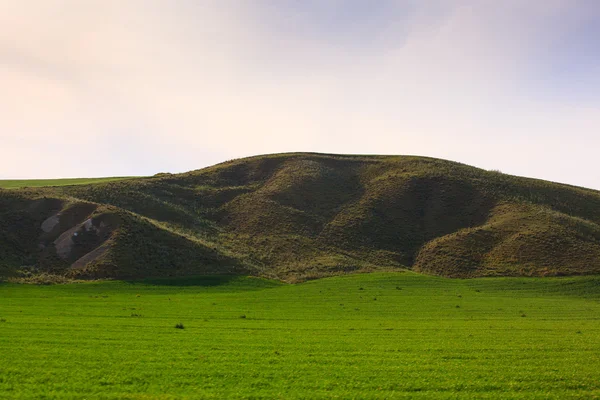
119	88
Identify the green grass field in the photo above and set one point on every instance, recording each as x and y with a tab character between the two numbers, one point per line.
21	183
385	335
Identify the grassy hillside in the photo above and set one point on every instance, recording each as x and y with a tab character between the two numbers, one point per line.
373	336
303	216
21	183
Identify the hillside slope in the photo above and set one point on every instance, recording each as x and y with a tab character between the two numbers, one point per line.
302	216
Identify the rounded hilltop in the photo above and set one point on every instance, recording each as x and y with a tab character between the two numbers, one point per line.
299	216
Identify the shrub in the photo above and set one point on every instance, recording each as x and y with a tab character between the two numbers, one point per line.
179	326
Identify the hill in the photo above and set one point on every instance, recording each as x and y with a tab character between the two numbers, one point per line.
304	216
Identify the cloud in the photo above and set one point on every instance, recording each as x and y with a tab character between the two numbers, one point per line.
137	87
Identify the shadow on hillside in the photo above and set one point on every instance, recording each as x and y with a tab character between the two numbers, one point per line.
203	281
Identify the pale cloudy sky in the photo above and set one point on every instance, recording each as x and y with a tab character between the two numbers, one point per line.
136	87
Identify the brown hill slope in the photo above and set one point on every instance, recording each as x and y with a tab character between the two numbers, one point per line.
300	216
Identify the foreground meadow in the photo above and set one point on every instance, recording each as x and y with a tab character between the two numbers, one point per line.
392	335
